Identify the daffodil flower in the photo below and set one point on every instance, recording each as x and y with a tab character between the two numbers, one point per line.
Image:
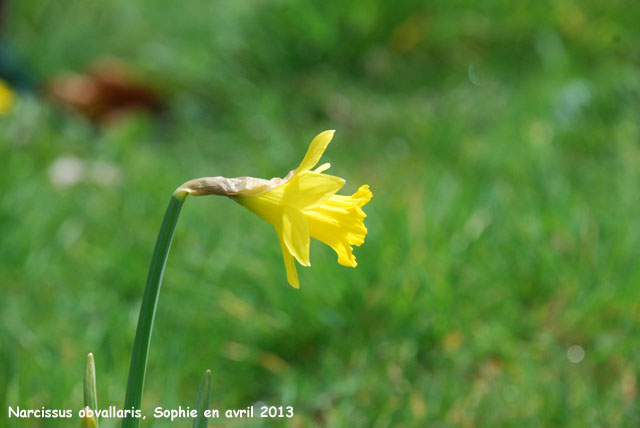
7	97
302	205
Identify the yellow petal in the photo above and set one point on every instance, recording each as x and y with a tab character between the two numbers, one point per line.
310	188
340	237
323	167
266	206
315	151
305	204
7	97
290	266
339	223
295	234
360	197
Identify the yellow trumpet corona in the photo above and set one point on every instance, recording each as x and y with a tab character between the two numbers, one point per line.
302	205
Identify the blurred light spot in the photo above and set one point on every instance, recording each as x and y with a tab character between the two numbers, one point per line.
575	354
510	393
627	132
418	405
571	18
492	368
550	48
66	171
562	242
395	374
236	351
69	232
259	127
397	149
159	54
234	306
7	97
377	61
541	133
477	223
273	363
26	120
338	107
452	340
407	35
257	406
571	100
104	173
628	384
476	74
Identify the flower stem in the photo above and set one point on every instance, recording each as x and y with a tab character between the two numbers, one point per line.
138	367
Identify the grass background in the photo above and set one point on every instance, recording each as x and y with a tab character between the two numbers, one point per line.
502	144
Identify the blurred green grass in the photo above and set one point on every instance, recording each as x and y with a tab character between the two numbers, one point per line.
502	146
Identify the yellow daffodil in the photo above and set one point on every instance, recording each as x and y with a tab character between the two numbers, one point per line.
7	97
302	205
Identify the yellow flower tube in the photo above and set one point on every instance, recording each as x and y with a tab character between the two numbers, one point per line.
302	205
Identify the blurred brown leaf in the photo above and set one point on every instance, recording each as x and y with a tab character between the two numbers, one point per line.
108	91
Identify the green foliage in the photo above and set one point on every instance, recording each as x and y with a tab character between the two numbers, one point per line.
502	145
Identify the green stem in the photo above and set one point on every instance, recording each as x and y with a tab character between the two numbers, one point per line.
138	368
